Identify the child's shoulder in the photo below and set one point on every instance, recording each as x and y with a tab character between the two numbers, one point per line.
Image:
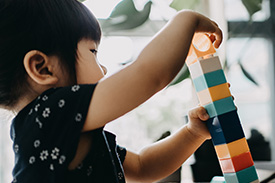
54	106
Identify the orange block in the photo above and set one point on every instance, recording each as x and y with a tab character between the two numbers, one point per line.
201	47
214	93
236	163
232	149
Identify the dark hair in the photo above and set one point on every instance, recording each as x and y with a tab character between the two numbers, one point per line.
53	27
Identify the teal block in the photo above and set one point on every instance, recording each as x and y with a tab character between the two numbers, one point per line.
209	79
219	107
231	178
247	175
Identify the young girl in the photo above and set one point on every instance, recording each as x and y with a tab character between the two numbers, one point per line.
51	78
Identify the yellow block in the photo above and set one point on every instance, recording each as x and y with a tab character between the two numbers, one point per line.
214	93
232	149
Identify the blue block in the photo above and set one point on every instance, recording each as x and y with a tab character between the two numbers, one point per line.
244	176
225	128
209	79
219	107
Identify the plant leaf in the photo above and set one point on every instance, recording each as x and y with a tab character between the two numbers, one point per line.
125	16
124	7
247	75
182	75
252	6
183	4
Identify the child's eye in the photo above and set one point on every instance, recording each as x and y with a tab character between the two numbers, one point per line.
94	51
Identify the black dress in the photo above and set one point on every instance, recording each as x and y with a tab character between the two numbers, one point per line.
45	137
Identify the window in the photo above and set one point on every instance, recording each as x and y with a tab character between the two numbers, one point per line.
251	47
166	111
6	154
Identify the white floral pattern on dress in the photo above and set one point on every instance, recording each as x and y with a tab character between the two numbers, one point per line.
30	111
16	148
51	167
36	107
89	170
75	88
32	160
45	97
78	117
55	153
61	103
44	155
46	112
80	166
120	175
38	122
36	143
62	159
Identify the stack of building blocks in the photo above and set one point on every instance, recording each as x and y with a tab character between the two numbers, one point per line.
224	124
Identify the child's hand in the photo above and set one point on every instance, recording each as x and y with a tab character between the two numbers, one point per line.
209	26
197	125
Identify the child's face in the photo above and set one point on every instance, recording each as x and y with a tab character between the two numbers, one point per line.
88	69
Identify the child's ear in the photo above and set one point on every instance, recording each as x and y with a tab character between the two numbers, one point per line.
40	68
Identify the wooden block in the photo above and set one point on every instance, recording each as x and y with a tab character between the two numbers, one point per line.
248	175
220	107
203	66
232	149
218	179
209	80
214	93
201	46
225	128
236	163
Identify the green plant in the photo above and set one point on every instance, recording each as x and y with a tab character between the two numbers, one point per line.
252	6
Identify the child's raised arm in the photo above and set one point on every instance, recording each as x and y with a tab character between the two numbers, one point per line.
155	67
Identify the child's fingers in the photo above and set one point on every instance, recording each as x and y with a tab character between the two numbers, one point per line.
231	95
229	87
218	40
212	38
218	36
199	112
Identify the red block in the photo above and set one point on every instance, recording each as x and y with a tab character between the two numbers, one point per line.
236	163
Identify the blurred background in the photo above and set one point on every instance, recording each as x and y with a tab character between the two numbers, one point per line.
247	55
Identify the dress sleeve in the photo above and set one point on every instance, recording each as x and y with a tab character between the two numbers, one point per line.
121	151
50	133
61	116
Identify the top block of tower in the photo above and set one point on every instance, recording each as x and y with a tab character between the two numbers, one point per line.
201	47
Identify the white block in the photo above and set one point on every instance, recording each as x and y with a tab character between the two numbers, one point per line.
204	66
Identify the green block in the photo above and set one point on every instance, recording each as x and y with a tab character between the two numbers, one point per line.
247	175
209	79
219	107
